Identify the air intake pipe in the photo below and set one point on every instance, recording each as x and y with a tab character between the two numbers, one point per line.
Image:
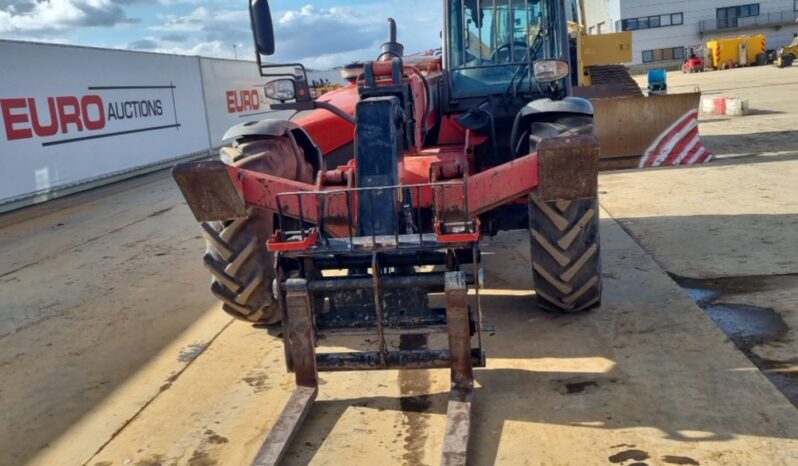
392	47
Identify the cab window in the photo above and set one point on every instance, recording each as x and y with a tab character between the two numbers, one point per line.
490	42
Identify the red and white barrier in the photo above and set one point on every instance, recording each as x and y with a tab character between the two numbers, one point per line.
677	145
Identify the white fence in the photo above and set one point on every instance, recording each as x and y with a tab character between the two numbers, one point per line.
76	117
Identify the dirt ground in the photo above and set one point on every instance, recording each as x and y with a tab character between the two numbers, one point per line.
113	352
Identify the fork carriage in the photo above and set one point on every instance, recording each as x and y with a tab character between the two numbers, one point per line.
384	293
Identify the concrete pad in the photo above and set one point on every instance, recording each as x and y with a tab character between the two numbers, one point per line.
728	229
737	215
647	378
104	300
726	218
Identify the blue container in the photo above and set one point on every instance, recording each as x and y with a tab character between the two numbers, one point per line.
657	80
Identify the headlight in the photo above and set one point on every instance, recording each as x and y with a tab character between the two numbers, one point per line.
280	89
547	71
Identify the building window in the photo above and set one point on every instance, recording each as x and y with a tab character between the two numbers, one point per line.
648	22
667	54
727	17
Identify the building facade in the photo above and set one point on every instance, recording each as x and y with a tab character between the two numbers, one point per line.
662	30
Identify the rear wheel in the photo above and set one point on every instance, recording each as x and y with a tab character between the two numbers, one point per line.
242	270
564	235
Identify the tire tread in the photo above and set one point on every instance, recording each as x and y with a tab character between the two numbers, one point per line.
564	235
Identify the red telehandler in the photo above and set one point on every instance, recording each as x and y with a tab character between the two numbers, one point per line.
346	217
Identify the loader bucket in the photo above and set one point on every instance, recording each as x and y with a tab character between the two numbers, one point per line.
640	131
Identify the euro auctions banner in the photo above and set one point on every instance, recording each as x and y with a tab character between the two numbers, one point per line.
234	94
73	114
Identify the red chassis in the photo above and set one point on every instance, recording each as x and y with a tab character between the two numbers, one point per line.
482	191
562	168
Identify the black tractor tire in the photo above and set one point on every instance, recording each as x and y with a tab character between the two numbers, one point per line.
242	269
564	235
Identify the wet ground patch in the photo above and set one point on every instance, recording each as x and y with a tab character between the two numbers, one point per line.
747	325
680	460
629	455
415	403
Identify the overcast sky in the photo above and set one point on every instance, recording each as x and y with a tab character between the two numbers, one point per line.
319	33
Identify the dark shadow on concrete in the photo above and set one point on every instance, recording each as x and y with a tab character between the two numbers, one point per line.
713	120
752	143
754	158
762	111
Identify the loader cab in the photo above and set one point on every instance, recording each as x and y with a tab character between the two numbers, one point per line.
491	47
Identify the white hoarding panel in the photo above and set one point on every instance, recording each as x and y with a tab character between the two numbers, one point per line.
73	114
233	95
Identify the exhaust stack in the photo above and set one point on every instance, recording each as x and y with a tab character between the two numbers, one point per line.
392	47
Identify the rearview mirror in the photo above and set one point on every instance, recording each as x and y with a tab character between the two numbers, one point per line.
262	29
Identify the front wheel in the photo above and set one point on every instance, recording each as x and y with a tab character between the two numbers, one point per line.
241	267
242	270
564	235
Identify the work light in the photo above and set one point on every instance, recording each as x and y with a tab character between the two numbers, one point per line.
280	89
547	71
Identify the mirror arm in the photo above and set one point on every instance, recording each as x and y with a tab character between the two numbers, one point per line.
337	111
298	106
